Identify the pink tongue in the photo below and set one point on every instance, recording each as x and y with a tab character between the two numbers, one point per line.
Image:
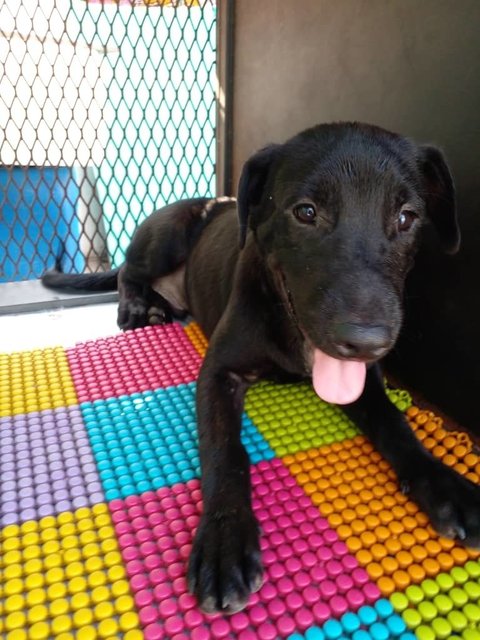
337	381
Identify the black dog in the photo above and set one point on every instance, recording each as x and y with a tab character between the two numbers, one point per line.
312	287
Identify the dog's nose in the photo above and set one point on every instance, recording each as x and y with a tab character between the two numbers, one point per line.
362	341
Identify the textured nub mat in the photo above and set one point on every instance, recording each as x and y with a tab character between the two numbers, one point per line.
100	498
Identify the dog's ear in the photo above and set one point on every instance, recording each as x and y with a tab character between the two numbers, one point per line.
251	185
440	197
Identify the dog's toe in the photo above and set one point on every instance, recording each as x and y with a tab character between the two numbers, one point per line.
132	314
157	315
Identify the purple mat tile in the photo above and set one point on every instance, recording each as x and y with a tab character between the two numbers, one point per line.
46	465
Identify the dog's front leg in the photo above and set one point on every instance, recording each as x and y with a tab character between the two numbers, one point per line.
451	502
225	562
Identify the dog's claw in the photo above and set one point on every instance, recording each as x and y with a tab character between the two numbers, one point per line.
405	487
461	533
256	583
209	605
234	605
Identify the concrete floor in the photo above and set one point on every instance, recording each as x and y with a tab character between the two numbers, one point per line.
57	327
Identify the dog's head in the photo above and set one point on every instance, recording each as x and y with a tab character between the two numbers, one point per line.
336	212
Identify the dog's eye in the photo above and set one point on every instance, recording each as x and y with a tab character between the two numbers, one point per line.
405	219
305	213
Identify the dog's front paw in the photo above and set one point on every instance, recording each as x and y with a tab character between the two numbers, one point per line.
225	566
451	502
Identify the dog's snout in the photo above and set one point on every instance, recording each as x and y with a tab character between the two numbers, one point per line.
360	341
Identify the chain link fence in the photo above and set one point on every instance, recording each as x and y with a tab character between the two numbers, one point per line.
107	112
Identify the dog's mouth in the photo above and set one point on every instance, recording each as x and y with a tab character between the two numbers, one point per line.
335	380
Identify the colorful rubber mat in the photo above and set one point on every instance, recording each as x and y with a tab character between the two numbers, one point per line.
100	496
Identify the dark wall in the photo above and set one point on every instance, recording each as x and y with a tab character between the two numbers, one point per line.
408	65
